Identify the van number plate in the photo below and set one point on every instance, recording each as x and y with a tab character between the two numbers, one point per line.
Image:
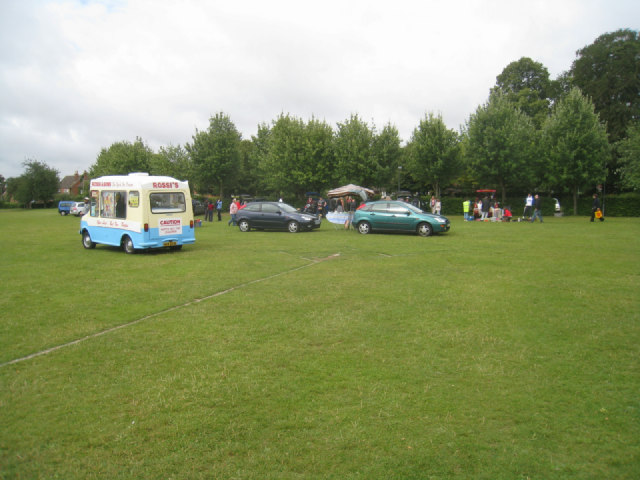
170	244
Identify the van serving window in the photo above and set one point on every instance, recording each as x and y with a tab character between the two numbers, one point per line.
113	204
166	202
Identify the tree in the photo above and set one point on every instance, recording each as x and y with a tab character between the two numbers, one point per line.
499	145
122	158
318	154
249	179
38	183
526	84
215	154
283	161
259	157
433	153
608	71
629	149
173	161
352	149
386	152
575	142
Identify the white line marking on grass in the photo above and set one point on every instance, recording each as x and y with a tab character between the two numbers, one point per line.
162	312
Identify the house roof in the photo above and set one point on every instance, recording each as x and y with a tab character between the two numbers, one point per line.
68	181
71	181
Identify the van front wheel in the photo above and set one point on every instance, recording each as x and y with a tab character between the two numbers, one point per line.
86	241
127	245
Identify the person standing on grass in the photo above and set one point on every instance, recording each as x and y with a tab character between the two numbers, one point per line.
465	209
528	204
219	209
537	209
486	205
595	206
233	210
209	211
473	209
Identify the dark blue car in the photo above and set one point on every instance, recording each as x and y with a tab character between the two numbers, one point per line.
275	216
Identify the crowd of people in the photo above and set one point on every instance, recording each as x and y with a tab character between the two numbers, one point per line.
488	208
216	205
322	207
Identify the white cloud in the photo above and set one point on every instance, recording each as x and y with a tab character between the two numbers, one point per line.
77	76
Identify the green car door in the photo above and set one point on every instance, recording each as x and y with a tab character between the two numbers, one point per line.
400	218
381	217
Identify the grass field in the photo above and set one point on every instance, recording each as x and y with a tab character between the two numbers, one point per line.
496	351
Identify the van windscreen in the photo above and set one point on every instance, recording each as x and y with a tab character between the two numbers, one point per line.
166	202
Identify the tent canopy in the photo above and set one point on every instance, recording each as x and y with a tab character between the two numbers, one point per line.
350	189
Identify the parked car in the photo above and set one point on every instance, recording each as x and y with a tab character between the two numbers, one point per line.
275	216
198	207
64	206
78	209
389	215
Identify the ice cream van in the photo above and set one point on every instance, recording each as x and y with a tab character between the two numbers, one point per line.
138	211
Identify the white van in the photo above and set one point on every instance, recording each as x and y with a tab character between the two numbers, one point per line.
138	211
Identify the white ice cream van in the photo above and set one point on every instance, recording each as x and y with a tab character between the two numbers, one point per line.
138	211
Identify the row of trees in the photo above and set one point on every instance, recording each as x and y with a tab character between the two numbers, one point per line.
37	185
532	134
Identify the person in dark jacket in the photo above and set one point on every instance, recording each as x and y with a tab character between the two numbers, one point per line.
537	209
595	206
486	206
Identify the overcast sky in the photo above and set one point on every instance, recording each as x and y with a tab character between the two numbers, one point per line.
77	76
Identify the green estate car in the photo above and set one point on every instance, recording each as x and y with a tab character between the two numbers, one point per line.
388	215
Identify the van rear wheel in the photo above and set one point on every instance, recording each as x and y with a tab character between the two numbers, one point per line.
127	245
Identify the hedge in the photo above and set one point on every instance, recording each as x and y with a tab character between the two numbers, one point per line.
623	205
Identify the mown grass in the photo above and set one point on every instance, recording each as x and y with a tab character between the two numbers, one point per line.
495	351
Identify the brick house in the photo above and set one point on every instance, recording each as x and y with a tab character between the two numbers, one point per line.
73	185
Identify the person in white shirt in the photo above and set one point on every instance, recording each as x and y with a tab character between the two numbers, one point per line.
528	204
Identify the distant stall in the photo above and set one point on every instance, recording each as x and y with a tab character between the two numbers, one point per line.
344	218
351	190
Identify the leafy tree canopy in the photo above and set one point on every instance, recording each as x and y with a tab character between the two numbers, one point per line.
433	153
629	150
284	164
576	144
352	147
500	145
215	154
526	84
122	158
172	161
386	152
38	183
608	71
295	157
